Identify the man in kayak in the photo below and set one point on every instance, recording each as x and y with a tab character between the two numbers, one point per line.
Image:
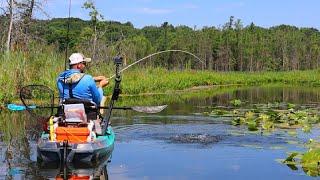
74	83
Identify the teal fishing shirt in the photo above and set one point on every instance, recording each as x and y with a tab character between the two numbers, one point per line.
83	86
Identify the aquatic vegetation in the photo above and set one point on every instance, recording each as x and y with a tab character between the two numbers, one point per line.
220	112
236	102
265	121
270	116
291	106
309	161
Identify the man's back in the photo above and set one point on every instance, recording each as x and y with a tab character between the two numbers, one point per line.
82	86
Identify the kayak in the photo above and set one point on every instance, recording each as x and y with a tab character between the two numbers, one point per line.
75	138
83	152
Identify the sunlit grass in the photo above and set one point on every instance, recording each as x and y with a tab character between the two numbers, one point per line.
43	68
161	80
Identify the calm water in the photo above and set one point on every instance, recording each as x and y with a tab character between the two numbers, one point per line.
178	143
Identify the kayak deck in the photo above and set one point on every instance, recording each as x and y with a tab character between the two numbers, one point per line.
49	151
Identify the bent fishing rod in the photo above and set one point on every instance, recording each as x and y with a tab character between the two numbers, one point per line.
157	53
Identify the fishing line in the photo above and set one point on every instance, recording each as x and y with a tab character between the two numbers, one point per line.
68	31
160	52
67	47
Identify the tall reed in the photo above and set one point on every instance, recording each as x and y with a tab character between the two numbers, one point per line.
21	69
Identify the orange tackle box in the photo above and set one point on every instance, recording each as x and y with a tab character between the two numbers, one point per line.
72	134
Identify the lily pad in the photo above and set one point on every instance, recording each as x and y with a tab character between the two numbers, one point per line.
236	102
291	157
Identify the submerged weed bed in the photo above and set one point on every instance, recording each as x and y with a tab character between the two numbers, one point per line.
279	115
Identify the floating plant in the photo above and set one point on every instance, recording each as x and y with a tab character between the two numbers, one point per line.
269	116
309	161
236	102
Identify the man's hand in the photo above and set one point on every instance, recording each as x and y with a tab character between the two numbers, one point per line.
99	78
102	81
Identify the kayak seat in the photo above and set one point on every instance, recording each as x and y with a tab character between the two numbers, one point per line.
89	106
75	113
97	127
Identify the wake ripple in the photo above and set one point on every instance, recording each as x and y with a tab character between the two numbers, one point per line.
204	139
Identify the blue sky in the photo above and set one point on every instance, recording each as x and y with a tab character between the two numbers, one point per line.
199	13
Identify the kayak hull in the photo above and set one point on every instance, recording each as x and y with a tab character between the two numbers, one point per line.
87	152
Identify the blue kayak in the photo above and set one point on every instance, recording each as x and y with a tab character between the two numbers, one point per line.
84	152
75	137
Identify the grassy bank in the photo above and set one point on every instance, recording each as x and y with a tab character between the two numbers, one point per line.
21	69
161	80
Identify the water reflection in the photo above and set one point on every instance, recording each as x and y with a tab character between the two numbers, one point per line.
172	139
221	96
74	171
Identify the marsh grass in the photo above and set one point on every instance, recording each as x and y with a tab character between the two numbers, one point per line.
161	80
19	69
22	69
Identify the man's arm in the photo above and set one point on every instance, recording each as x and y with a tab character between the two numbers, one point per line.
97	93
60	88
102	80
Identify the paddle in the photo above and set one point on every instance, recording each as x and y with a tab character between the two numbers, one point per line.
143	109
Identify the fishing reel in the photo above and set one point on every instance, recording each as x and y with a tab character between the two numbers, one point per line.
116	91
118	60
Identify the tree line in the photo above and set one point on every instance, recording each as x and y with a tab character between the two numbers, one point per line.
230	47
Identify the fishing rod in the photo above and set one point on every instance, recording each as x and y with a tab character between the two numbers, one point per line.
159	52
115	94
66	51
68	41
